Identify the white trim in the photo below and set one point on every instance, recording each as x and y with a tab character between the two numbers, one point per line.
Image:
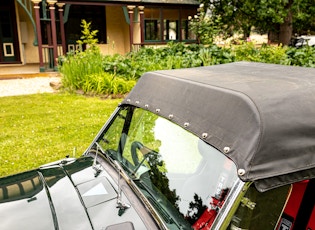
71	47
5	51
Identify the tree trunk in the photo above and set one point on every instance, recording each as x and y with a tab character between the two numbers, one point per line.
273	36
285	32
246	32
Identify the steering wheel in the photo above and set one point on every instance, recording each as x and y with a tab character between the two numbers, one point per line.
144	150
134	146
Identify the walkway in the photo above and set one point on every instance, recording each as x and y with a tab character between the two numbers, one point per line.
21	80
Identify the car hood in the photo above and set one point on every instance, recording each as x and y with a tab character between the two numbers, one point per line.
68	194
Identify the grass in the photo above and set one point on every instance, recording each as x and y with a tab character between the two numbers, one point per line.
41	128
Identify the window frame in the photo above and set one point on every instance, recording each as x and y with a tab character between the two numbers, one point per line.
162	24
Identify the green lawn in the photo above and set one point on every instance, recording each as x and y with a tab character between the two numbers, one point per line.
38	129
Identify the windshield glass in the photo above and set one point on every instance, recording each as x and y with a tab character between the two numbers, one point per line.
185	179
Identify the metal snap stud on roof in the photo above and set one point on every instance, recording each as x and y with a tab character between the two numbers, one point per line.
241	172
226	149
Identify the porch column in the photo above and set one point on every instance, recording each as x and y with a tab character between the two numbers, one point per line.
130	12
62	28
141	11
53	30
39	35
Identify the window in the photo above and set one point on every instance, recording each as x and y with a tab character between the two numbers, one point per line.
174	26
152	28
171	24
171	30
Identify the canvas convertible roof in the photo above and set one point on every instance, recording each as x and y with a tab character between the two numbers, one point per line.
262	116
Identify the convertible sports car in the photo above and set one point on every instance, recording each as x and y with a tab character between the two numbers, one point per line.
230	146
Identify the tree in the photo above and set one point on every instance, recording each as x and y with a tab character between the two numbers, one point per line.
88	36
204	26
275	17
304	20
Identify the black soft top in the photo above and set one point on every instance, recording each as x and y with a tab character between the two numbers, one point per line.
262	116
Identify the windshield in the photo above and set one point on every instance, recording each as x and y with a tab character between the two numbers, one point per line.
185	179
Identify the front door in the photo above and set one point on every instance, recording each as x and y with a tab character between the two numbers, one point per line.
9	46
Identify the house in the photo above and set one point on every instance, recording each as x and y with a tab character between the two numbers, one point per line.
38	31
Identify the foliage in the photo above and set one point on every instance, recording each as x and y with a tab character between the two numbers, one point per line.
304	56
173	56
77	65
106	84
88	36
214	55
205	26
84	70
94	73
247	51
304	11
265	16
48	127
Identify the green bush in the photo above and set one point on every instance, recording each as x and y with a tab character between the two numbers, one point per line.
172	56
76	66
95	73
214	55
106	84
84	71
247	51
304	56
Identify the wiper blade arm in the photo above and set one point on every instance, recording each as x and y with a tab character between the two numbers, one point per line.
120	204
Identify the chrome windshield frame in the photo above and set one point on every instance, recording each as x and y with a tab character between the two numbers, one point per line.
224	217
102	130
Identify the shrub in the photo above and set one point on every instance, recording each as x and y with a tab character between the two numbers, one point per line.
248	51
304	56
106	84
214	55
76	66
205	26
95	73
172	56
84	70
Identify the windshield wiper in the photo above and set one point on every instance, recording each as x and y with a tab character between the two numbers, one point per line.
97	167
120	204
137	190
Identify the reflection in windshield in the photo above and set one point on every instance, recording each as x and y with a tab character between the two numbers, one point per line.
185	179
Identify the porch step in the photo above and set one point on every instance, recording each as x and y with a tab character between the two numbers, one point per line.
24	71
6	76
